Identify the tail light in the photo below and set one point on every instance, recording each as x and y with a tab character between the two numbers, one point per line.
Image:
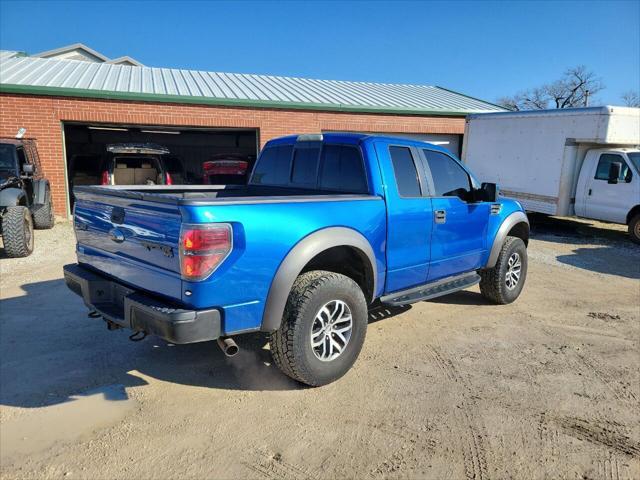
169	179
203	248
106	178
225	167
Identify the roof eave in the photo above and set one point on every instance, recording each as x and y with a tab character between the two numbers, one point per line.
125	58
229	102
68	48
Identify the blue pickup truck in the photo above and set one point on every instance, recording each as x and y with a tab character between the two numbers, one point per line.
327	226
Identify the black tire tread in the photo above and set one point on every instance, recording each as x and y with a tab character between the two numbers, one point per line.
13	232
43	218
632	223
491	285
282	340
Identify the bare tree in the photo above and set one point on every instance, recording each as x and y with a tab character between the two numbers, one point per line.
573	90
631	98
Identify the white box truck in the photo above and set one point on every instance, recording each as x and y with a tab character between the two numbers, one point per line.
579	161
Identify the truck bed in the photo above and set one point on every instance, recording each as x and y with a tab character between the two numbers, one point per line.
183	195
266	222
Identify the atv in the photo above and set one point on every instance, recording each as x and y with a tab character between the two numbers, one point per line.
25	196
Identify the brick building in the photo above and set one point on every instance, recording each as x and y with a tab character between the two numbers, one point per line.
73	108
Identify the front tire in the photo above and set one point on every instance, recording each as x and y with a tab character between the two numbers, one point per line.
503	283
17	232
323	328
634	228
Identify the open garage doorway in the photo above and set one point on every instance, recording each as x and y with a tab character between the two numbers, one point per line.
189	156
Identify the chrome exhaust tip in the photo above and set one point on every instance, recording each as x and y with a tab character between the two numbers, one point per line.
228	346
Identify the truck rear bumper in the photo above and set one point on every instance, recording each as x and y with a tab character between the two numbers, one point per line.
132	309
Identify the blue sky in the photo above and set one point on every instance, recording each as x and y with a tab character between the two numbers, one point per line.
484	49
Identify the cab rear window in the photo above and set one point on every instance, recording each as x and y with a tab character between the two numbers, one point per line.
331	168
304	170
342	169
273	166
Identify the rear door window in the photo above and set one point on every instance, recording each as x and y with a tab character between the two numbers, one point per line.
404	169
273	166
342	169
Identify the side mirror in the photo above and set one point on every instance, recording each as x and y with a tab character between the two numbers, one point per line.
488	192
614	172
28	169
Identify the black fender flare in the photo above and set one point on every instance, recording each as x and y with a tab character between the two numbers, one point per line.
40	191
507	224
301	254
11	197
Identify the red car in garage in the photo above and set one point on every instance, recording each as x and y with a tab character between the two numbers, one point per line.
225	169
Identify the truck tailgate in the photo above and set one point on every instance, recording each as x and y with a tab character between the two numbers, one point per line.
131	240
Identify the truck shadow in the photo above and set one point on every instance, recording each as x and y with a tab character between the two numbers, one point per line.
601	250
50	352
608	260
463	297
574	231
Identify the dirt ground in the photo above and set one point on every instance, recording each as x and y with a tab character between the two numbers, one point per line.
547	387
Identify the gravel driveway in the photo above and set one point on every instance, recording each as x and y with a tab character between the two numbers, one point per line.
547	387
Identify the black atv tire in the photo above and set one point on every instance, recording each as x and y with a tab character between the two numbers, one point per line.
291	346
43	217
496	283
17	232
634	228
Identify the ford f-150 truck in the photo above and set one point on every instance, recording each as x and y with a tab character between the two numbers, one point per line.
327	225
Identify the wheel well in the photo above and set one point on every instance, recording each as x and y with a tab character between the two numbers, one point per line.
520	230
348	261
632	213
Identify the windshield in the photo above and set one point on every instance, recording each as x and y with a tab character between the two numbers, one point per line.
7	158
635	159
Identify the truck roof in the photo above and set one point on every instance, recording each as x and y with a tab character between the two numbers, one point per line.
353	138
12	141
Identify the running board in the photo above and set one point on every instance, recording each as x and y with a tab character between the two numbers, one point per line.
432	290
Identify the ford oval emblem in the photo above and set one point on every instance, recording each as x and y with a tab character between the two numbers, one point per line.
116	235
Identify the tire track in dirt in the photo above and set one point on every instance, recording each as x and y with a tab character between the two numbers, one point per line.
606	433
273	466
415	443
475	449
609	468
598	430
622	392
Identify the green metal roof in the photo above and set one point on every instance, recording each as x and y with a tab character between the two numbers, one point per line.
41	76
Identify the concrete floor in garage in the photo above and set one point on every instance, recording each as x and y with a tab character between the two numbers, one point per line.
453	388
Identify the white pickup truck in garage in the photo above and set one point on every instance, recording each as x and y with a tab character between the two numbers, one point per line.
580	161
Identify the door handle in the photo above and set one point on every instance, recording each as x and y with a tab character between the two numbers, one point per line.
589	192
440	216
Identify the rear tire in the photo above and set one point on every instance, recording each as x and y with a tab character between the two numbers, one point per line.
634	228
17	232
43	214
503	283
323	328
